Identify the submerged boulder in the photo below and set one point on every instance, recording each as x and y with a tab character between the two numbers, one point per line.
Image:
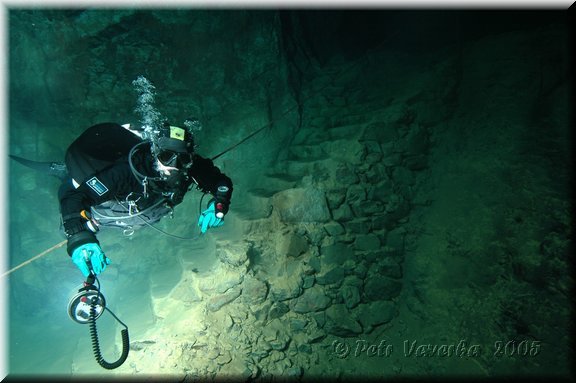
340	322
301	205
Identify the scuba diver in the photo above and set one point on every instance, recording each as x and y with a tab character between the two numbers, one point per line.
122	177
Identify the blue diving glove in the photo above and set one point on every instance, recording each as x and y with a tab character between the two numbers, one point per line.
90	257
208	219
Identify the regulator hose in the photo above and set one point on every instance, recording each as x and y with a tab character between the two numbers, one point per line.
96	344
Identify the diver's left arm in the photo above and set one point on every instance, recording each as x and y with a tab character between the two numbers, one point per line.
211	180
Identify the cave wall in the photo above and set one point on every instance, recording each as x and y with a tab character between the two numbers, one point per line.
72	68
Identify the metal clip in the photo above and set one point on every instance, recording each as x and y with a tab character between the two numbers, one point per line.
132	204
145	184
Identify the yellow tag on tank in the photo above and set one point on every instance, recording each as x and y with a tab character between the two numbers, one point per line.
177	133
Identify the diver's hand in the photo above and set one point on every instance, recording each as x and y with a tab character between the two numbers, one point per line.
90	257
208	218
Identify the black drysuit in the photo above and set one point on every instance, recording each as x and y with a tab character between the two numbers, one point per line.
98	162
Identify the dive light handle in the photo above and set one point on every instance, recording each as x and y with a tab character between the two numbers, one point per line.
90	280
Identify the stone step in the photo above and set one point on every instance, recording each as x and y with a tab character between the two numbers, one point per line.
306	153
358	113
346	131
310	136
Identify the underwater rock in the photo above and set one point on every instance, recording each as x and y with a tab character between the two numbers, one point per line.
91	22
361	270
293	372
217	302
254	206
345	174
340	322
333	292
388	267
277	310
308	281
286	286
372	146
367	208
334	228
381	288
316	336
319	318
335	198
397	207
313	299
377	176
223	358
358	226
381	131
335	254
305	348
186	292
262	349
343	213
381	190
221	283
234	254
351	296
367	242
140	345
354	280
260	312
297	324
315	264
275	335
254	291
343	129
350	151
238	369
227	322
355	193
314	333
291	245
314	234
416	163
372	256
333	276
375	313
392	159
396	239
306	153
301	205
281	342
274	366
382	222
239	314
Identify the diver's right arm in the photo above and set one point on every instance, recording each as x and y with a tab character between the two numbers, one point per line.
83	246
75	207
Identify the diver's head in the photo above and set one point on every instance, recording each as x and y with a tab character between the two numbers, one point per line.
173	149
